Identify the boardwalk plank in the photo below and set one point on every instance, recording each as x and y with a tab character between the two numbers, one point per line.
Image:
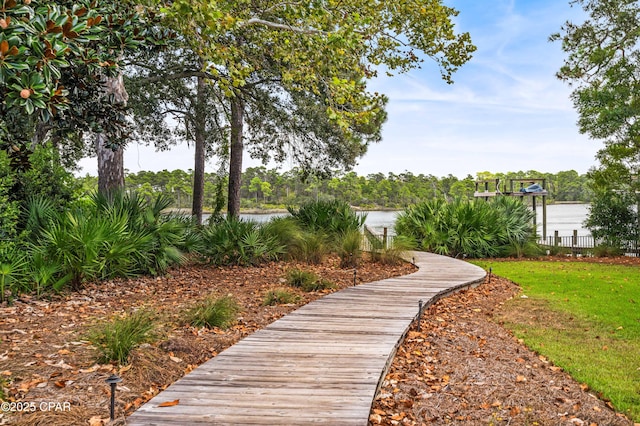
321	364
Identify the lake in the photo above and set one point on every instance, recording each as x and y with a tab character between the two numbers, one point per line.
563	218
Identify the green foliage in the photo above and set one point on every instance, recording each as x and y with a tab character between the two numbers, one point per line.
287	233
118	236
386	253
613	219
372	191
307	280
13	270
349	248
300	277
585	321
312	247
332	217
468	228
213	312
10	208
115	340
602	63
280	296
237	242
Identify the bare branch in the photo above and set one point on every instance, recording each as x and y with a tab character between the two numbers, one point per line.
287	27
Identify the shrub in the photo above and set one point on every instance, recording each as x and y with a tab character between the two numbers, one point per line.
287	233
13	270
280	296
121	235
317	285
238	242
606	250
116	339
332	217
349	248
299	277
213	312
469	228
312	247
307	280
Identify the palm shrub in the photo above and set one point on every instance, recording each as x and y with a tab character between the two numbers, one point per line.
287	233
82	244
153	237
469	228
45	274
515	220
238	242
213	312
13	270
120	235
116	339
332	217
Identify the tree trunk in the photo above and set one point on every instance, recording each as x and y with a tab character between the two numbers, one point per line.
198	170
110	162
110	167
235	160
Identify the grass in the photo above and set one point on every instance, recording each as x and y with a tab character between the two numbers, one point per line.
585	318
116	339
213	312
307	280
280	296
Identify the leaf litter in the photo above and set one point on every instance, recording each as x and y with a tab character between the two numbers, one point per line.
463	368
45	356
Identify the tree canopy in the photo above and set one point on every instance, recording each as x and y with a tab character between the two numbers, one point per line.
603	65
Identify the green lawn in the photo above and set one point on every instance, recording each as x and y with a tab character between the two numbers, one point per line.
584	317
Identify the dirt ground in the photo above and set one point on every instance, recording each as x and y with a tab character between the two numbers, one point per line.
460	368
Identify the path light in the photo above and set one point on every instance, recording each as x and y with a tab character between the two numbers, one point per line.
355	274
490	271
113	381
420	302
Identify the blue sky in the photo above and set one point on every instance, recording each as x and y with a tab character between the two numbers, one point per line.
505	112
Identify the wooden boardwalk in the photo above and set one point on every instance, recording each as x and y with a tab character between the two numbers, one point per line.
319	364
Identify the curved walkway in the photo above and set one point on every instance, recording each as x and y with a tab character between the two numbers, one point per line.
319	364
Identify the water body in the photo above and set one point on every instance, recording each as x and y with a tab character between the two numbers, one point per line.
563	218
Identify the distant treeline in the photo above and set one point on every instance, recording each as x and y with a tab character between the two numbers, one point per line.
270	188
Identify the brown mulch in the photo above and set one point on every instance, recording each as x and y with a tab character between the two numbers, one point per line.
463	368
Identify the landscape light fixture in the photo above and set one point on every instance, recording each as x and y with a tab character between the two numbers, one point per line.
113	381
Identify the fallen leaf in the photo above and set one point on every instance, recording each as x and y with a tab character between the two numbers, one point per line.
175	359
169	403
60	384
98	421
90	369
521	379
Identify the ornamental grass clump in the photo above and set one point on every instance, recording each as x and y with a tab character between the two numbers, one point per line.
116	339
280	296
307	280
213	312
